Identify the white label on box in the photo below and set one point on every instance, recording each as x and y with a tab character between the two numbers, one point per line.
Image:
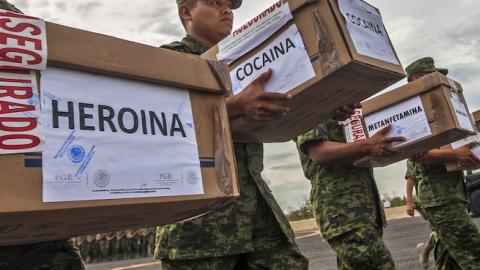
112	138
254	32
23	42
354	128
287	58
453	85
462	113
408	119
367	31
20	128
475	149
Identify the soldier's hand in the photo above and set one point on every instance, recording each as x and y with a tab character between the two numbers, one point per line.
464	156
410	207
380	145
256	104
345	112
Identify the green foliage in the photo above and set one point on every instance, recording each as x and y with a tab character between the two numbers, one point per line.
397	201
304	212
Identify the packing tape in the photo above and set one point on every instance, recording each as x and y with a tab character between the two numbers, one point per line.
222	162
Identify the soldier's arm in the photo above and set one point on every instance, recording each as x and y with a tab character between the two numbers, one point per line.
463	156
328	152
410	204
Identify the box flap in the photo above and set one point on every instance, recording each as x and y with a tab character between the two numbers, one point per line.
78	49
409	90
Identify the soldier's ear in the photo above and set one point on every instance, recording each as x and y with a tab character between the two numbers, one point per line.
185	13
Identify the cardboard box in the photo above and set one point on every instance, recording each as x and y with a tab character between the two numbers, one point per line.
24	218
425	111
342	75
452	166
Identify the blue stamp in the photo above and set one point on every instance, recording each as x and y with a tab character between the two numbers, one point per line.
76	153
399	131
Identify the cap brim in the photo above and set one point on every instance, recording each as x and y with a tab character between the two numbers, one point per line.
236	4
444	71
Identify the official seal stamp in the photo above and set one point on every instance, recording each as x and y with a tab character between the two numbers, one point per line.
76	153
191	177
101	178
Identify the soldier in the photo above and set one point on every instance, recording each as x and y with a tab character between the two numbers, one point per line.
345	199
102	243
111	244
92	250
251	232
442	195
53	255
121	247
151	241
413	204
132	244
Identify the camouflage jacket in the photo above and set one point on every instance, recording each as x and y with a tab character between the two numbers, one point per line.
411	174
435	186
344	197
227	231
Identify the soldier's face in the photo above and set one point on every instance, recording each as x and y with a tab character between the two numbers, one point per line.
213	19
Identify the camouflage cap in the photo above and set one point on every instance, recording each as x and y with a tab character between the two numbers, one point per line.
235	3
423	65
7	6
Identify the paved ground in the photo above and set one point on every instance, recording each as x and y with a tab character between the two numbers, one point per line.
401	236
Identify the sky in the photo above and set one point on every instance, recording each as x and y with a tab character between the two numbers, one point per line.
444	29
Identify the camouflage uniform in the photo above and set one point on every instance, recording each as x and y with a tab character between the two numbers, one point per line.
51	255
411	174
441	195
346	205
251	231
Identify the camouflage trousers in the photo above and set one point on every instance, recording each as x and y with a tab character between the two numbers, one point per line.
54	255
458	238
283	257
362	249
271	250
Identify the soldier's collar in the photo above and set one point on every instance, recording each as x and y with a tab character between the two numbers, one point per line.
193	43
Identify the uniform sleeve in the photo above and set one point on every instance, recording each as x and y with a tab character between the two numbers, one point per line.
410	170
175	46
314	135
